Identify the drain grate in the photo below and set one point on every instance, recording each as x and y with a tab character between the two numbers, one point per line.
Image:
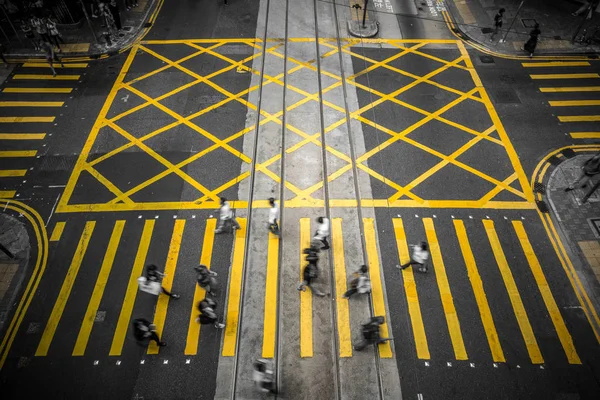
539	188
542	206
568	153
554	160
486	59
528	22
505	96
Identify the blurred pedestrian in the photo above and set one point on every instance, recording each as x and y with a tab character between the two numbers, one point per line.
55	36
263	375
531	44
51	56
129	4
309	274
26	28
419	257
206	278
2	56
360	284
144	330
497	23
273	215
152	280
371	334
226	217
590	168
114	10
39	25
208	314
323	232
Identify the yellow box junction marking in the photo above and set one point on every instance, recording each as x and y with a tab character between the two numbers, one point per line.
385	349
7	194
570	89
26	119
65	290
410	288
160	315
540	279
513	293
579	118
480	297
270	317
22	136
7	173
235	291
132	287
456	338
17	153
339	265
57	231
574	103
92	309
193	335
564	76
37	90
46	77
306	312
585	135
31	103
556	64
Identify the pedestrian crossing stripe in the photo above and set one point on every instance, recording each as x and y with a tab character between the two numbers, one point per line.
343	313
306	308
270	310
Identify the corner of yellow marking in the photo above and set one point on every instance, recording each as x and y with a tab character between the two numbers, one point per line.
57	231
270	317
306	312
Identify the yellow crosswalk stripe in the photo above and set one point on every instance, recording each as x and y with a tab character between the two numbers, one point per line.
57	231
22	136
480	297
564	76
556	64
47	77
235	291
513	293
26	119
160	315
56	65
132	287
579	118
339	265
570	89
37	90
17	153
456	338
410	288
306	326
574	103
385	349
31	103
540	279
270	317
7	194
7	173
585	135
92	309
65	290
193	335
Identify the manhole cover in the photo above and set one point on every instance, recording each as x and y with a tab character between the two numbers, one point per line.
505	96
595	225
528	22
487	59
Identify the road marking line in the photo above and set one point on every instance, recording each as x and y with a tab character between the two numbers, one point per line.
564	76
17	153
7	194
570	89
92	309
585	135
65	290
160	314
556	64
235	290
57	231
480	297
410	288
26	119
306	312
31	103
48	77
452	321
569	103
513	293
56	65
37	90
270	317
540	279
6	173
339	265
22	136
132	287
193	335
385	349
579	118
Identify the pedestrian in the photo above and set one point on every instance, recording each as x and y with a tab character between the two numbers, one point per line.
109	20
114	10
129	4
312	253
144	330
208	314
40	28
360	284
226	217
153	280
371	334
589	168
497	23
263	375
419	257
206	278
26	28
322	231
531	44
51	56
55	36
2	55
273	215
310	273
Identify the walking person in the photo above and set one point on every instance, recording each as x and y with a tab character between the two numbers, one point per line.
590	168
323	232
273	215
310	273
263	375
2	55
129	4
226	217
360	284
51	56
39	25
206	278
531	44
144	330
371	334
26	28
55	36
419	257
208	314
114	10
151	282
497	23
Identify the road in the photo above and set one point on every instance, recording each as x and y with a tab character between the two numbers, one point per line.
419	137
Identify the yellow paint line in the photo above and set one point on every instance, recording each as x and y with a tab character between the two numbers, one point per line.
377	296
564	76
458	343
22	136
57	231
410	288
579	118
556	64
47	77
540	279
17	153
6	173
193	335
235	291
575	103
585	135
37	90
92	309
513	293
26	119
306	314
7	194
65	290
339	265
570	89
31	103
270	317
160	315
132	287
56	65
543	172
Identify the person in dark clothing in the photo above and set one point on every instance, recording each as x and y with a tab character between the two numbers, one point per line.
371	334
206	279
310	273
144	330
114	10
154	275
360	284
497	23
590	168
2	56
208	314
531	44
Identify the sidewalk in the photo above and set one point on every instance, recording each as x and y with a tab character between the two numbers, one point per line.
80	41
474	19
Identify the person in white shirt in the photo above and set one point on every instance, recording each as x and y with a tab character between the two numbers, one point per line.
273	215
226	217
360	284
323	232
419	257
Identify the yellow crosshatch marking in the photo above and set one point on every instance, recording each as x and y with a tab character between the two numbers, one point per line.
514	183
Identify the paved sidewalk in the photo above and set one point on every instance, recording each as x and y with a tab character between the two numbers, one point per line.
474	19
